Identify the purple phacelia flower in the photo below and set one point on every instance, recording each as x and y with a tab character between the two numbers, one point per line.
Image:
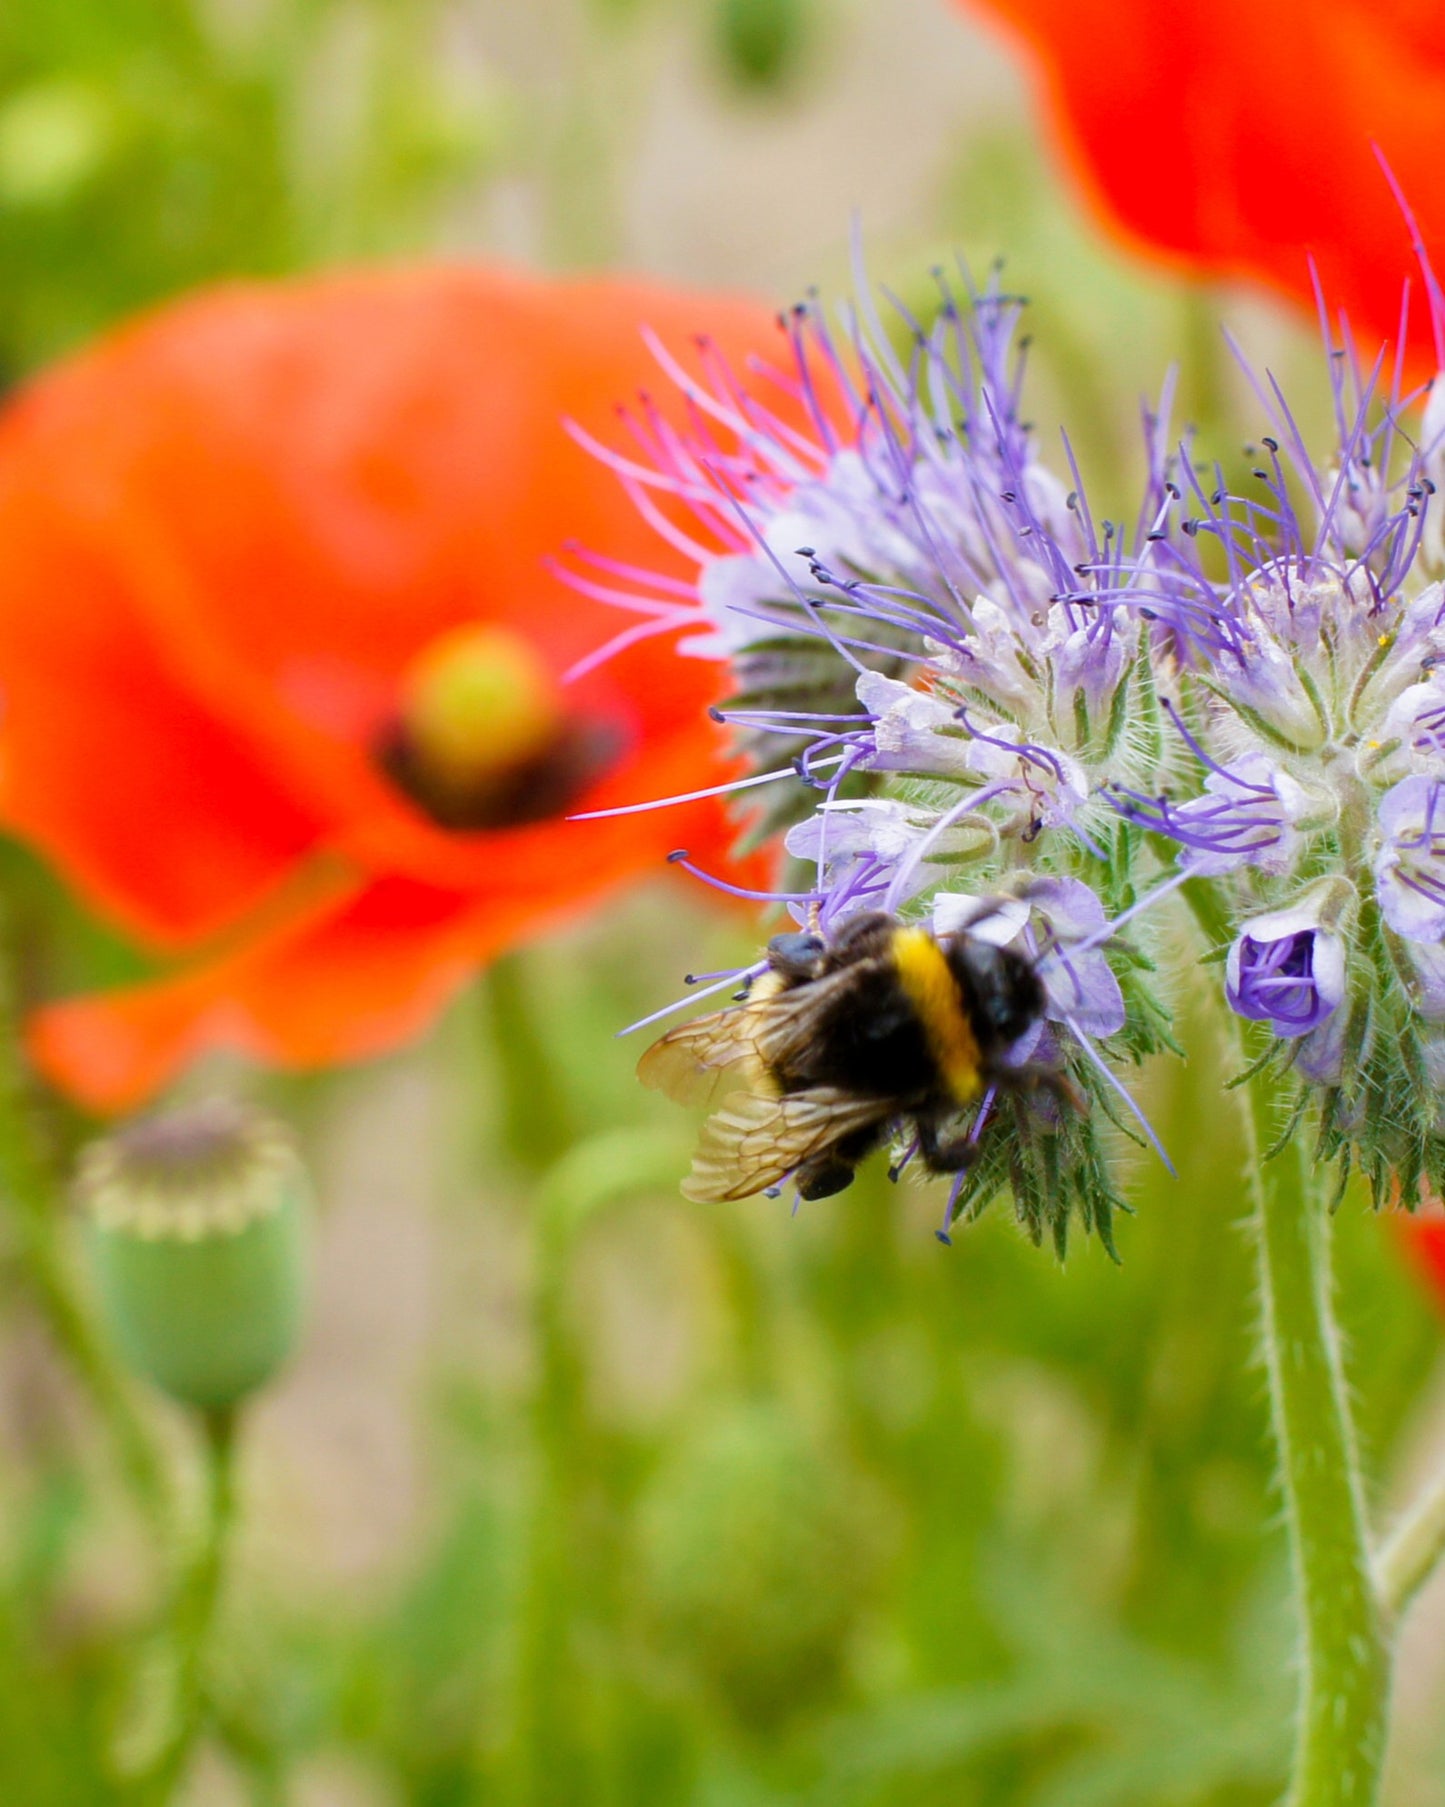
909	538
1410	865
1286	969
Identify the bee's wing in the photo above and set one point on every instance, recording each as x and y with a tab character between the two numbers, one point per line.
787	1026
694	1062
754	1140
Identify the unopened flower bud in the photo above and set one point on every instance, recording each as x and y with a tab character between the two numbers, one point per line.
196	1222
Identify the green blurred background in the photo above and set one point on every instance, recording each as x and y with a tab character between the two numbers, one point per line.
577	1493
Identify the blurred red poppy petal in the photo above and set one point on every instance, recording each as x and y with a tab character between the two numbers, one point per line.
249	516
354	973
103	754
1424	1240
1240	139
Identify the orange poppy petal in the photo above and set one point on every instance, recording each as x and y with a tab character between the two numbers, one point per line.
276	494
356	971
1424	1240
162	814
1239	138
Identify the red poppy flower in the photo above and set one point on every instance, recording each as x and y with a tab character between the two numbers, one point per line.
281	659
1424	1239
1240	138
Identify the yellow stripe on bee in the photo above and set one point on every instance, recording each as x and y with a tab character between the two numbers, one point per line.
931	988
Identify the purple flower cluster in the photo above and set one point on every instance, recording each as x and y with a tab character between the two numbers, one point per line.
973	688
989	643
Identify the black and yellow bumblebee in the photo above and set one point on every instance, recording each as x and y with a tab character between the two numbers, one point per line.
841	1039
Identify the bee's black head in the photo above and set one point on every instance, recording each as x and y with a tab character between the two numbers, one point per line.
1005	994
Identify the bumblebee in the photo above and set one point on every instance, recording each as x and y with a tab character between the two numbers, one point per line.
840	1039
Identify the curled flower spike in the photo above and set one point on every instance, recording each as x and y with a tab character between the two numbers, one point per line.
1313	716
943	665
285	675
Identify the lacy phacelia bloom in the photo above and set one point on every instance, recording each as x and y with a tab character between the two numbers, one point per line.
1241	139
283	671
943	665
1314	714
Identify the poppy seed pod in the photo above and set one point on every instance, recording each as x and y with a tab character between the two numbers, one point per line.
196	1225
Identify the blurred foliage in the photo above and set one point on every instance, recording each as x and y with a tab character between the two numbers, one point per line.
148	145
761	1510
780	1510
762	43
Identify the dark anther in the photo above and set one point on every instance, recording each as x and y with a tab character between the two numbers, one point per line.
1009	496
1263	475
1271	444
716	714
678	853
1073	499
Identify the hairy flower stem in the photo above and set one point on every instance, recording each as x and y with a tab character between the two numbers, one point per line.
195	1610
1345	1669
1414	1549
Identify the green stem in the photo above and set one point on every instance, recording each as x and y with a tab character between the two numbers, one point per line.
1345	1669
31	1197
536	1117
1413	1550
195	1609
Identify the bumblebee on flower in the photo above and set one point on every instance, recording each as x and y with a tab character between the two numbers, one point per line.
944	665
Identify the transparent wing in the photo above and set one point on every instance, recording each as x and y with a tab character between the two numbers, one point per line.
753	1141
695	1062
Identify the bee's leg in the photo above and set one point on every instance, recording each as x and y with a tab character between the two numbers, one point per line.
945	1154
1037	1077
823	1177
833	1170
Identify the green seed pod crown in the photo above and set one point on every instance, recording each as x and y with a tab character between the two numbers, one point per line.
197	1229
